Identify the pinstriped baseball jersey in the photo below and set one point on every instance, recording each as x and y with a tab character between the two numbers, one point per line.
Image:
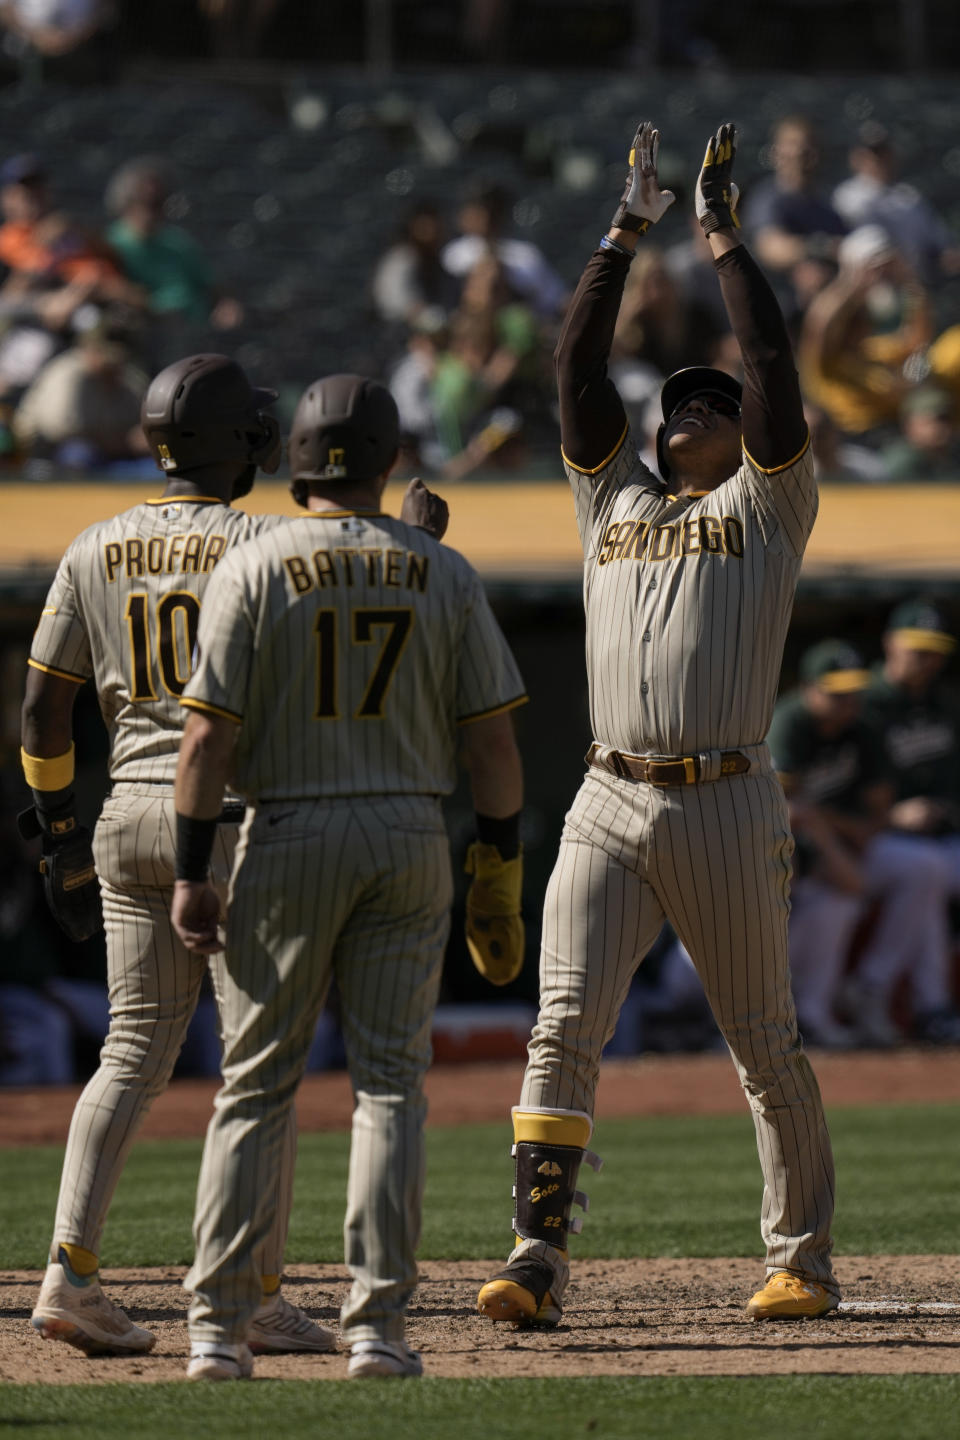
688	601
124	607
331	624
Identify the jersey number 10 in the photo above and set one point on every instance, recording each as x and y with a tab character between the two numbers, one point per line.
177	618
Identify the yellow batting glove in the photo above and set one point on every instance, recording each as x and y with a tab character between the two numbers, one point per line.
495	933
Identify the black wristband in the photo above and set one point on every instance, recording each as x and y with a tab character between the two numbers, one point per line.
56	810
505	834
194	847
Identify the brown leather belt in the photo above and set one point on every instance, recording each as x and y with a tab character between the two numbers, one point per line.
663	769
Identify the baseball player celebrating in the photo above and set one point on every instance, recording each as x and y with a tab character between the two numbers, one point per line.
124	608
688	588
341	657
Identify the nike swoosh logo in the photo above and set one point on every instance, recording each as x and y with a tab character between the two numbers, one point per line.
284	815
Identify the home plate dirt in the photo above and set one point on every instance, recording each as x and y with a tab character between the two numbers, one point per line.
640	1317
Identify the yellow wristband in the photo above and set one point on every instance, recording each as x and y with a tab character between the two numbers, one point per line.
55	773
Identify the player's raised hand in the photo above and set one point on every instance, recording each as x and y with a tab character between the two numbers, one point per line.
195	914
643	203
717	195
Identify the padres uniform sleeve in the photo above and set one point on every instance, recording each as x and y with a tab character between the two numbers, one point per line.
488	679
60	643
598	452
778	468
225	642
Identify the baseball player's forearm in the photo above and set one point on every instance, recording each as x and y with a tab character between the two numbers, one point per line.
46	717
206	755
592	417
774	430
493	760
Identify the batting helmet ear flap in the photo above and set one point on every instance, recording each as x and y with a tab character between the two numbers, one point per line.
267	451
662	462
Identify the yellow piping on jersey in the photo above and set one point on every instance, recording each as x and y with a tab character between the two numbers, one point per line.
580	469
212	710
63	674
497	710
341	514
188	500
775	469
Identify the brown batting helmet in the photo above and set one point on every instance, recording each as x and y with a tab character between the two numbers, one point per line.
683	385
345	428
203	411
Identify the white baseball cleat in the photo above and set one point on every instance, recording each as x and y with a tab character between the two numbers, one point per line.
279	1328
73	1308
219	1360
383	1359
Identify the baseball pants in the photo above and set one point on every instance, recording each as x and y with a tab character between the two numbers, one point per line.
358	889
713	859
153	983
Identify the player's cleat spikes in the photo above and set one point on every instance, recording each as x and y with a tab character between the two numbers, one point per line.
74	1309
279	1328
218	1360
521	1294
789	1297
383	1360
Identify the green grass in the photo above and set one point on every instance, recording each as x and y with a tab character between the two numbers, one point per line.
902	1407
671	1186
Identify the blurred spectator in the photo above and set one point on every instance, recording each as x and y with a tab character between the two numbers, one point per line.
59	40
690	262
44	244
836	458
658	325
929	443
482	219
785	213
83	409
918	715
162	259
872	195
851	358
410	276
833	767
411	384
492	361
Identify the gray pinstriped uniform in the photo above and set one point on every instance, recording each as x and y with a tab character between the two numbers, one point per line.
687	606
349	647
124	608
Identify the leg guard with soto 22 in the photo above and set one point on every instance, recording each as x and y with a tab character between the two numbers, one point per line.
549	1147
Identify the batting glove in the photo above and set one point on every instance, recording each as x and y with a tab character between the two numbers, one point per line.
643	202
495	934
717	195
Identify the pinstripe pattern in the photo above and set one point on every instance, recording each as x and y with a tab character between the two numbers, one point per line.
683	656
334	881
155	552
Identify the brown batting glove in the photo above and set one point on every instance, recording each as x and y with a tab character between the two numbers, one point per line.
642	203
425	509
495	934
717	195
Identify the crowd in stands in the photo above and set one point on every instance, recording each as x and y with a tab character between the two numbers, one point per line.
465	312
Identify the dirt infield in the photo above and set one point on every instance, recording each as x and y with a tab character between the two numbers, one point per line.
901	1314
639	1317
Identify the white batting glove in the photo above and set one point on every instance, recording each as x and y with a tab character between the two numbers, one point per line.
643	203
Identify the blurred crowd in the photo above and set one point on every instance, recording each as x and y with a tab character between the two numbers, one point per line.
465	313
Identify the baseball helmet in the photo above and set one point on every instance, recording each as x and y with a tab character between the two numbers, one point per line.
203	411
681	385
345	428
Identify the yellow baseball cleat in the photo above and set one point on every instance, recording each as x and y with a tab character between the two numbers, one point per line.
789	1297
520	1294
